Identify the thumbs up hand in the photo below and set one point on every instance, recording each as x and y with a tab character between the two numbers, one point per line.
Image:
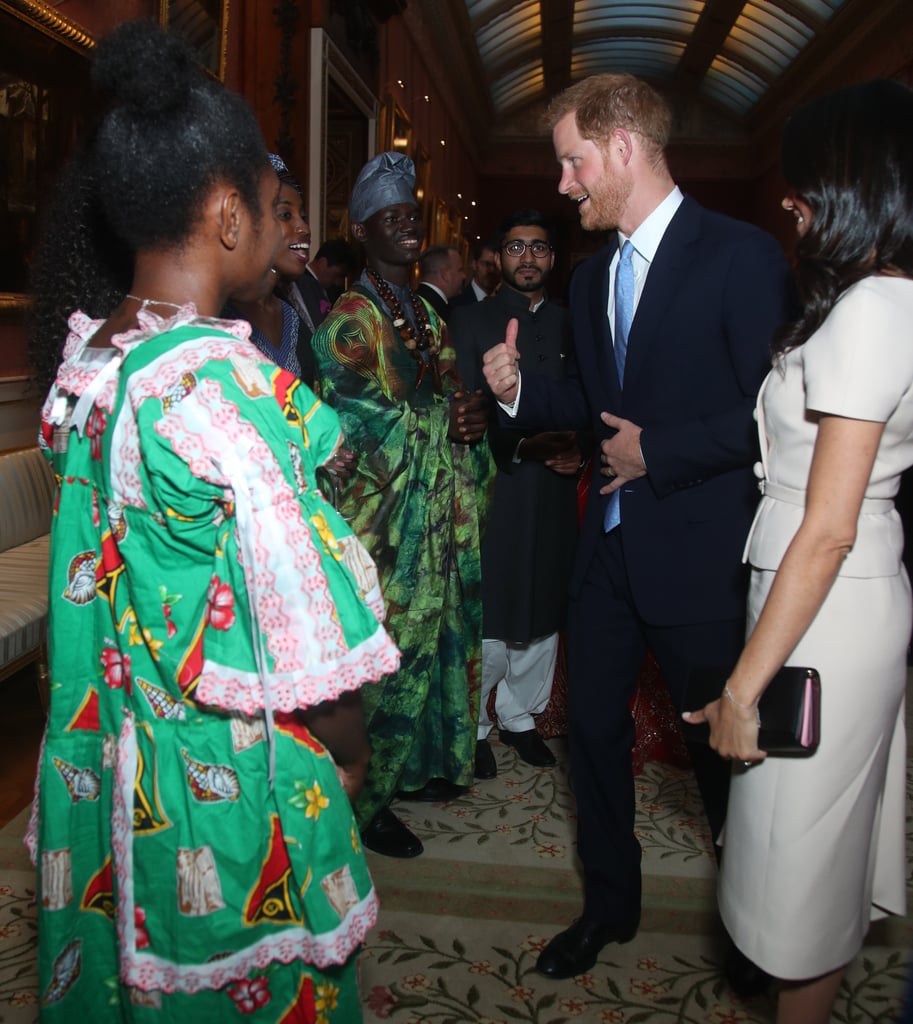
499	364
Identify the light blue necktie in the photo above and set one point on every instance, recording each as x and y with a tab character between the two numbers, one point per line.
624	314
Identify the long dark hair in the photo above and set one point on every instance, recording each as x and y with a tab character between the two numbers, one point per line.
849	157
167	135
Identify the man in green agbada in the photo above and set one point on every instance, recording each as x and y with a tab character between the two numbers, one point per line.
416	500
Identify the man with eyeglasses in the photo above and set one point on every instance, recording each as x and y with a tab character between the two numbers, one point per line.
486	275
528	546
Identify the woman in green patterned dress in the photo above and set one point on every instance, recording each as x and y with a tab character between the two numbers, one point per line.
211	617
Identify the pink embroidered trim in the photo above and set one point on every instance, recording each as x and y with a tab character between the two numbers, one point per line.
231	690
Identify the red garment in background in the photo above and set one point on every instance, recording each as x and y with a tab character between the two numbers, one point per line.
659	737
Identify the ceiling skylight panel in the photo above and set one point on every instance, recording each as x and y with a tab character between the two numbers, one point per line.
635	55
519	28
784	30
747	45
822	9
599	16
733	84
728	93
518	86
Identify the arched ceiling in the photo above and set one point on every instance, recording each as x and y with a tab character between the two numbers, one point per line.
732	51
730	68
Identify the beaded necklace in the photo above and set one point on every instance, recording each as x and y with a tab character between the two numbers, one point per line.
422	348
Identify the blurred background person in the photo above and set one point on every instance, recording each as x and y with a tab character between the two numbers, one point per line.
442	277
325	280
484	274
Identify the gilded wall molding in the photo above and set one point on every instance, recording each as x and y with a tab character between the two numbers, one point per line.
52	24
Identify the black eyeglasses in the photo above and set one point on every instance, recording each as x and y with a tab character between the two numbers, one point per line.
518	247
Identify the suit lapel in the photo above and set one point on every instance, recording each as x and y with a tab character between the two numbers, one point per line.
664	280
599	324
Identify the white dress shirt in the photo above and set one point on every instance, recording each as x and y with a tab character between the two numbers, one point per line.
646	241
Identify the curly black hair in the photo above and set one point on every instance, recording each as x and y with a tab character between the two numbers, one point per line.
167	135
523	218
849	157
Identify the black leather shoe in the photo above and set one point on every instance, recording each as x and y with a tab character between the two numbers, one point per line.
530	747
387	835
435	791
486	765
575	950
745	977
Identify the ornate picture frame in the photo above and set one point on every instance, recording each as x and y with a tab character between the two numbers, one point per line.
395	128
44	102
204	24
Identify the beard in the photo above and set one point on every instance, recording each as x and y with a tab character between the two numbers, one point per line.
606	205
522	284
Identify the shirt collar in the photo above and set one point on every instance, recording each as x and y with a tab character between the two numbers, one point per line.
650	232
435	288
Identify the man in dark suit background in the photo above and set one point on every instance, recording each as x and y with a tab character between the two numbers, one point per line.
669	393
485	274
325	277
441	276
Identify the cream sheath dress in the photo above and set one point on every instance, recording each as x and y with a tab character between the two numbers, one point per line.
814	848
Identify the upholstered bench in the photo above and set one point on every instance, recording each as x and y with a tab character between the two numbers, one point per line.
26	496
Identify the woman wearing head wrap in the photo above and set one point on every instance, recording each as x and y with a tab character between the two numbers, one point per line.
281	328
416	497
211	617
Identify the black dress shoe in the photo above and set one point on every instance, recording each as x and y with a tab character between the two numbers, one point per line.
530	747
435	791
387	835
486	765
575	950
745	977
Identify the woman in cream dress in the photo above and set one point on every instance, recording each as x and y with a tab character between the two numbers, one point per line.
814	848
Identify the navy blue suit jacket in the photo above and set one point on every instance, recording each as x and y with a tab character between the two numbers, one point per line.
698	349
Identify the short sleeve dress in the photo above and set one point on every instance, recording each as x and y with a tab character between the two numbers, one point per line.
197	855
814	848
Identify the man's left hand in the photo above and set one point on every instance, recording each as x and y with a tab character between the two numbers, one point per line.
621	457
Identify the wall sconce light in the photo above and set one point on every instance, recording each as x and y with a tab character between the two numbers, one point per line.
443	143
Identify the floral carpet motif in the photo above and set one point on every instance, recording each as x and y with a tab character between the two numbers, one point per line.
461	926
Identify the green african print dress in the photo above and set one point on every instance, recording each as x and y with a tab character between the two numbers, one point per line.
417	500
198	858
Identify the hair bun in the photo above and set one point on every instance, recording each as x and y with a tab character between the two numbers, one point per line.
144	67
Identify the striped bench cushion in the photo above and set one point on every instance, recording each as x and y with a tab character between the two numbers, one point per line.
26	496
23	599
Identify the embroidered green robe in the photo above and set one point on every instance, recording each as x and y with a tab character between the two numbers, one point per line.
416	501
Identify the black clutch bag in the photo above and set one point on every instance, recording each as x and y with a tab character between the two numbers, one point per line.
790	709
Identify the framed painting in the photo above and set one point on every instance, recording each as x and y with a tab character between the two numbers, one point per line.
44	105
204	24
395	128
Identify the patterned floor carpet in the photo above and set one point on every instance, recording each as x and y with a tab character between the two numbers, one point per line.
461	926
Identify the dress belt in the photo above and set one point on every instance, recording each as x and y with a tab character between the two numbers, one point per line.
870	506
